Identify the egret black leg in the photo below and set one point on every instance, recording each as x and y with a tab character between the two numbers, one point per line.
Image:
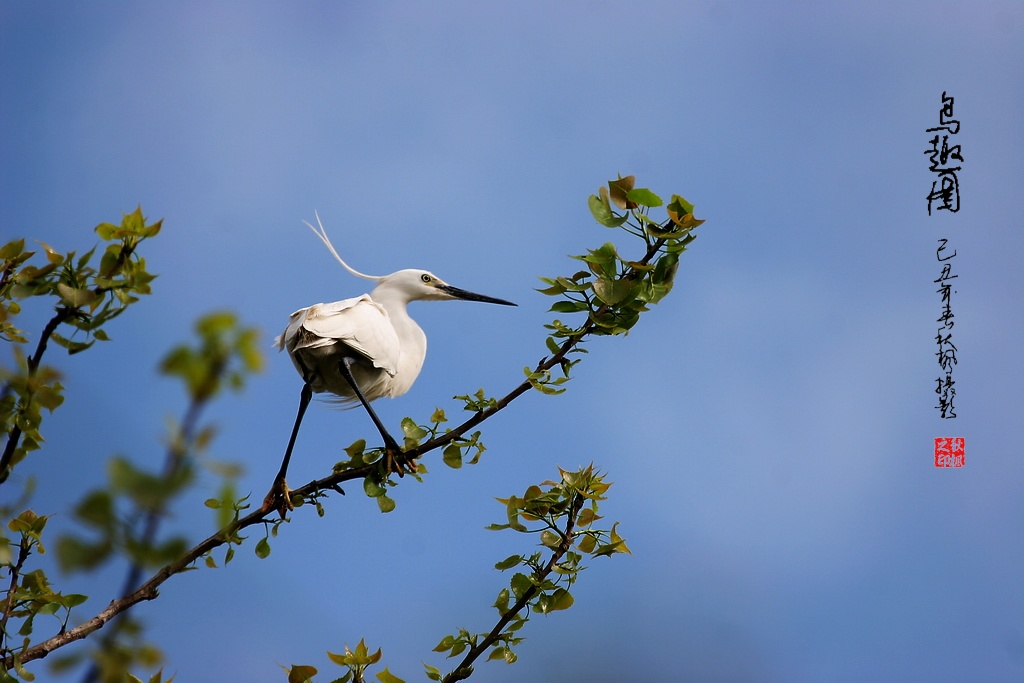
391	446
278	496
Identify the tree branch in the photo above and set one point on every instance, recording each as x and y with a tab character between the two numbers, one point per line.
149	590
173	463
23	553
464	669
14	436
63	313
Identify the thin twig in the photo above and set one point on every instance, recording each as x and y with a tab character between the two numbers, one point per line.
23	554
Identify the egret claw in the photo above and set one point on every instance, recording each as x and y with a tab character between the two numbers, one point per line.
278	498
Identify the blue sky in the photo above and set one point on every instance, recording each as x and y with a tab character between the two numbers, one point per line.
768	427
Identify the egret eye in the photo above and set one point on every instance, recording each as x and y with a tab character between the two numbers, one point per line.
426	278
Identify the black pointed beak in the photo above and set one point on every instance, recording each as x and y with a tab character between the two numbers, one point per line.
471	296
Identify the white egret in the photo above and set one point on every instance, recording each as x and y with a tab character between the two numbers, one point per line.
361	349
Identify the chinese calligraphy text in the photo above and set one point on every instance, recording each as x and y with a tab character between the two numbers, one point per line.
945	160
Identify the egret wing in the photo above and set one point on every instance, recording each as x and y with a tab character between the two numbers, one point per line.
358	323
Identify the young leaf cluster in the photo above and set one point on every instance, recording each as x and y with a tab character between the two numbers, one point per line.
85	296
29	593
355	661
458	451
455	453
562	514
614	290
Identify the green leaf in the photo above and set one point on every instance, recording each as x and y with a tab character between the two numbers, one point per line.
452	456
52	255
612	292
603	213
133	223
97	510
49	396
603	260
76	298
412	431
153	229
23	673
301	673
74	600
23	523
560	599
568	307
106	231
445	644
618	191
587	517
509	562
386	676
550	538
372	488
73	347
680	205
385	504
644	197
75	554
12	249
501	602
520	584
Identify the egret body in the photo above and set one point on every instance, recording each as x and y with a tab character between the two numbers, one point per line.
360	349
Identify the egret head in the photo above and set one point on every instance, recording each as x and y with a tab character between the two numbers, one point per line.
421	285
407	285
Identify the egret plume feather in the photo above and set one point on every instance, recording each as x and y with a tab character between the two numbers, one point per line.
322	234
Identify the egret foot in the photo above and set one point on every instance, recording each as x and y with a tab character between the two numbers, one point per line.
395	461
279	498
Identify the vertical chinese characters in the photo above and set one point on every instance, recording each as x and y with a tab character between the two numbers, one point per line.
942	156
945	161
944	337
